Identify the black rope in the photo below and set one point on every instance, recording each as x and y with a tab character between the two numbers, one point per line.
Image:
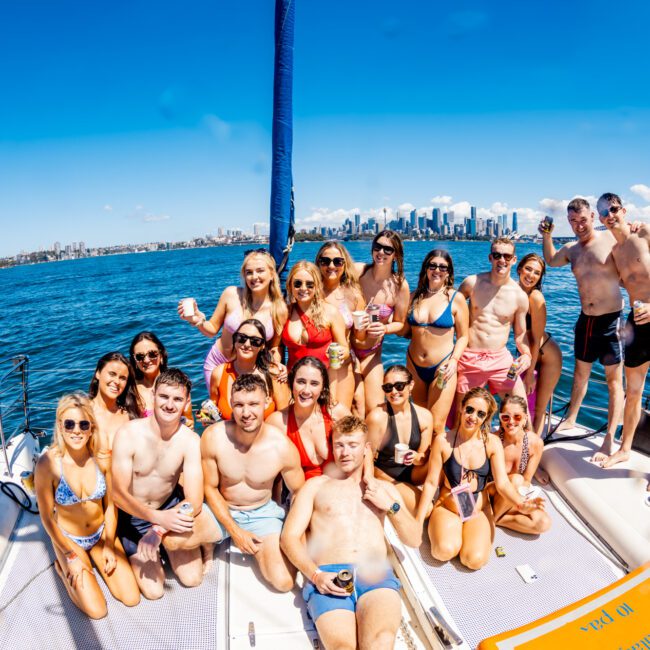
25	502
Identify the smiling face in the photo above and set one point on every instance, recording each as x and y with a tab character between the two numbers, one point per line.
244	349
112	379
437	272
331	264
307	386
70	432
148	357
473	414
248	409
513	418
611	214
381	252
582	223
530	274
256	272
303	286
502	257
169	403
397	379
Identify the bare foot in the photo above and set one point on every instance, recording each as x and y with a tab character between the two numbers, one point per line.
564	425
207	551
542	477
603	453
617	457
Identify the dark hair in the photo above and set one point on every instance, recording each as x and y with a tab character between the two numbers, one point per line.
611	198
147	336
349	424
263	359
482	393
520	402
398	265
248	382
173	377
128	399
423	280
398	367
578	204
324	399
540	260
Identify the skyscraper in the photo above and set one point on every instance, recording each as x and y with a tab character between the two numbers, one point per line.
436	220
422	222
414	219
515	225
357	222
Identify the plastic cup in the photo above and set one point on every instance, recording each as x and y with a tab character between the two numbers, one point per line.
188	306
358	317
401	449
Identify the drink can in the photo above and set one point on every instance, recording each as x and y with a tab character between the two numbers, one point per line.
27	479
211	410
512	373
334	355
440	378
345	580
187	509
373	312
547	224
636	306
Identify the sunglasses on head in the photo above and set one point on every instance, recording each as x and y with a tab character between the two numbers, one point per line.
152	355
255	341
614	209
481	415
506	417
377	248
250	251
433	266
297	284
506	256
399	386
69	425
328	261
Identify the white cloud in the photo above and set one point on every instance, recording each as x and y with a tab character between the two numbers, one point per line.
108	208
406	207
444	199
642	190
637	212
460	209
554	206
219	128
154	218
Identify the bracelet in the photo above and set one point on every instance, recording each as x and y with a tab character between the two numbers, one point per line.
314	574
200	323
71	557
159	530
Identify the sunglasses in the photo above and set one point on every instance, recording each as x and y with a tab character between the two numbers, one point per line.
69	425
255	341
297	284
438	267
152	355
399	386
250	251
328	261
614	209
388	250
506	256
481	415
505	417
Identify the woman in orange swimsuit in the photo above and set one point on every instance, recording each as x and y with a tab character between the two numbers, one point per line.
251	356
308	419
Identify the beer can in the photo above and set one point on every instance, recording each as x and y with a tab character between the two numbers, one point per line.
373	312
27	479
345	580
334	355
547	224
636	306
512	373
211	410
440	378
187	509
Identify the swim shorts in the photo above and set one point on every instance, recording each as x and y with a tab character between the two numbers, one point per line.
637	343
319	604
131	529
265	520
599	337
480	367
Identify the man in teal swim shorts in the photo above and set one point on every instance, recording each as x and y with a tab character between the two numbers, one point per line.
342	516
241	459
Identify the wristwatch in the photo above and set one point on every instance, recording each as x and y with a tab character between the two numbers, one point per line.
394	509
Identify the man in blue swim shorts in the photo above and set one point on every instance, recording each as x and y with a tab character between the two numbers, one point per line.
337	523
242	458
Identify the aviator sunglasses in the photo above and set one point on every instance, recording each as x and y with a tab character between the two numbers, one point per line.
328	261
481	415
152	355
377	248
69	425
433	266
255	341
506	256
297	284
505	417
399	386
614	209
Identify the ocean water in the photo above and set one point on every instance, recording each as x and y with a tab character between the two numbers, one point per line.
65	315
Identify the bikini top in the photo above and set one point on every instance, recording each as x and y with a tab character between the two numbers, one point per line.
346	314
456	473
525	453
223	403
318	340
444	321
234	319
64	495
385	311
309	467
385	460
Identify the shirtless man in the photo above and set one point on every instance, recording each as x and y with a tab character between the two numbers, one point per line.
632	257
149	456
496	303
242	458
598	330
342	514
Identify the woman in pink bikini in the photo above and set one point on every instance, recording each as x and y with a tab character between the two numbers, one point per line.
342	290
260	296
384	286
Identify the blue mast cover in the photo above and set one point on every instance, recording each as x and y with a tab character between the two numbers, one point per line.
281	176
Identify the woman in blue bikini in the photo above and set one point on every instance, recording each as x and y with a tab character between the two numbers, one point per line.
436	313
74	497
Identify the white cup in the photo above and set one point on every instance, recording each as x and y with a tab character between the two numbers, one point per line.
359	317
401	449
188	306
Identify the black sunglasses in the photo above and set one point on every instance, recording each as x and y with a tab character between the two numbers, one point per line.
376	248
308	283
614	209
328	261
250	251
69	425
506	256
152	355
433	266
255	341
399	386
481	415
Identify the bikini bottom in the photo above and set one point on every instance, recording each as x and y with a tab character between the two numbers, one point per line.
427	373
85	541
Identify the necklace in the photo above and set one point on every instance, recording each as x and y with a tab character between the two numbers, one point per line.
431	292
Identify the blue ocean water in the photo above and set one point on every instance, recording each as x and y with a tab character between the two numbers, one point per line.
65	315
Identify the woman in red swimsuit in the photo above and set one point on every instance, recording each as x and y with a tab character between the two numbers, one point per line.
308	419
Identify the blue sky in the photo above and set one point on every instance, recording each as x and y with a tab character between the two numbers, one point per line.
142	121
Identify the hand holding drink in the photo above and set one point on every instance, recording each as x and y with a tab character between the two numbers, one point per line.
546	225
640	310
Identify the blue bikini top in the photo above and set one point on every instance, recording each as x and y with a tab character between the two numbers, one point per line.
444	321
64	495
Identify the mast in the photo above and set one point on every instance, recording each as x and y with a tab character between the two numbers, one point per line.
282	208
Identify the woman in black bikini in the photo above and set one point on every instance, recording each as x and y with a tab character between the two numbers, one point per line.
400	421
466	457
436	313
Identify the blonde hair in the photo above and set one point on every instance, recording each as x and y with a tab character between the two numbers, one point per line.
316	311
82	402
479	392
350	278
275	292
